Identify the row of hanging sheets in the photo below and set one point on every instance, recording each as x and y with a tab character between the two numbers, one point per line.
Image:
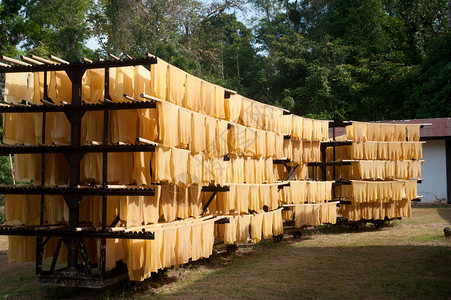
370	150
377	170
385	171
215	141
170	203
377	200
309	203
244	228
27	128
175	243
92	90
178	242
173	205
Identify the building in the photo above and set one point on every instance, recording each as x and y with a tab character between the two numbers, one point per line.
436	169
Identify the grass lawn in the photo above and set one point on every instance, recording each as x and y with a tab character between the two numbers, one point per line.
409	259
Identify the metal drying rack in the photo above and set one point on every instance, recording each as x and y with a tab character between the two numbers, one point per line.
72	235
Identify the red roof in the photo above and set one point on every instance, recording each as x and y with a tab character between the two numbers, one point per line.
440	128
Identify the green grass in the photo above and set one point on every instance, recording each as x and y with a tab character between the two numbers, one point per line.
427	237
22	283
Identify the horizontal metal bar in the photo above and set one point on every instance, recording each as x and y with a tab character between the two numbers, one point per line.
282	185
342	182
77	234
212	188
330	163
335	143
339	124
6	150
80	65
74	108
281	161
30	190
145	141
222	221
128	97
345	202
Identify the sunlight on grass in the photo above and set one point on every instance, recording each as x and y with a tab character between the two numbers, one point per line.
427	237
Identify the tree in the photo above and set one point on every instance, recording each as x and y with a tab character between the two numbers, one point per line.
431	93
12	26
351	59
58	27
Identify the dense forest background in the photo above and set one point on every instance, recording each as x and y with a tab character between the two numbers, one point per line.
329	59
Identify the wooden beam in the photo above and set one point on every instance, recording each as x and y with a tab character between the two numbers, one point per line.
58	60
41	59
113	56
31	61
14	61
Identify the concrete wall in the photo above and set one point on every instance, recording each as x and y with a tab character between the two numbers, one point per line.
433	171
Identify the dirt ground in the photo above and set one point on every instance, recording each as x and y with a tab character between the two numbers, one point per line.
407	259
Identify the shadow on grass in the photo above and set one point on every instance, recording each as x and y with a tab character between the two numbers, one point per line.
445	213
290	271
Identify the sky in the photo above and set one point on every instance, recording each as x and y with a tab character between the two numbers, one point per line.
93	44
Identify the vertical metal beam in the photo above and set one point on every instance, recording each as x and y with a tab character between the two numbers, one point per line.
74	158
323	166
291	171
39	244
106	113
107	84
209	201
39	254
84	257
55	255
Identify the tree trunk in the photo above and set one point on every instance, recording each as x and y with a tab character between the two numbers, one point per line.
449	12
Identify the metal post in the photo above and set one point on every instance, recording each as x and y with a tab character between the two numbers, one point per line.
102	257
39	245
323	166
74	158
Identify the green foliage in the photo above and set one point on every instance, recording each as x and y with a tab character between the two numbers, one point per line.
12	26
432	90
337	59
58	27
359	60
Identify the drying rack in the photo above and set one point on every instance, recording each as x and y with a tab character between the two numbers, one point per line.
338	182
75	274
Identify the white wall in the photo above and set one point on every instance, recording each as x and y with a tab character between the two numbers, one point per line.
433	171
